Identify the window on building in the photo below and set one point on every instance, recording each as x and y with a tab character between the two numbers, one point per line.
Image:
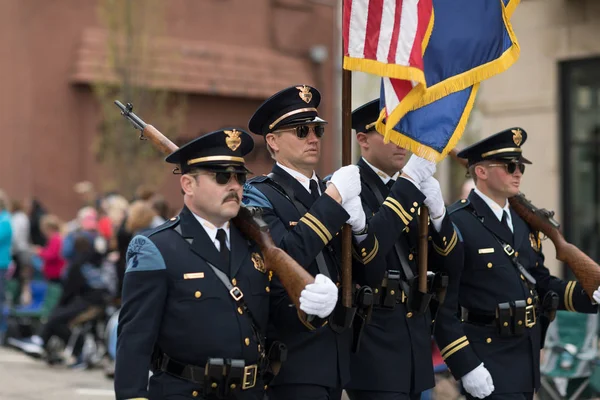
580	153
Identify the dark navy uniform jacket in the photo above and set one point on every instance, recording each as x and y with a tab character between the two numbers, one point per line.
486	278
315	356
395	350
173	299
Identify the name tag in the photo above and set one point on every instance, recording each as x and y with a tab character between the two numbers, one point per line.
194	275
486	251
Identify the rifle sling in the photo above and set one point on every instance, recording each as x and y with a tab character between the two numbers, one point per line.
399	245
288	191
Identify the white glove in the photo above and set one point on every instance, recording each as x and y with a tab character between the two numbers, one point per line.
596	295
419	168
478	383
354	208
347	182
430	187
319	298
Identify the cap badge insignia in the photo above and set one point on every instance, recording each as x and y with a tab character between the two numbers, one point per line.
259	263
233	139
517	136
305	93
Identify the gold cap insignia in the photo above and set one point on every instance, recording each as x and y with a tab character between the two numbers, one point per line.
233	139
259	263
305	93
517	136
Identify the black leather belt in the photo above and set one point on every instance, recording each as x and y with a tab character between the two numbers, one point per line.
510	319
478	318
236	373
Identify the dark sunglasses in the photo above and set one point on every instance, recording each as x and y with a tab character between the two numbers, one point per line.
511	167
224	177
302	131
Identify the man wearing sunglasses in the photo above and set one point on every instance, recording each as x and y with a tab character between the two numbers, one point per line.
505	294
196	291
305	217
394	361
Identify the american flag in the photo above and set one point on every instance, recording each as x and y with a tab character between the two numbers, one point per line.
388	38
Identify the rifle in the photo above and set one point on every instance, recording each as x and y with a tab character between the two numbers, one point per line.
586	270
292	276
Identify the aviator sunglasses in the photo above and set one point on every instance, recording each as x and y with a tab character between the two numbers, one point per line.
302	131
511	167
223	177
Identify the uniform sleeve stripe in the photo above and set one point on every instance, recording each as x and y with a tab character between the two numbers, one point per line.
448	249
320	225
372	254
396	210
397	204
569	296
314	228
453	344
454	350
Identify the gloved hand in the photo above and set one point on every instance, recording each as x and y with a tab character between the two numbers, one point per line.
430	187
319	298
596	295
419	169
354	208
478	383
347	182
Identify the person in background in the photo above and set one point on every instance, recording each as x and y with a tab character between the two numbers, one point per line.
21	247
6	234
140	216
53	262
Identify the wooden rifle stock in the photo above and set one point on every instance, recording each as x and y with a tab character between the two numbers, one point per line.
291	274
586	270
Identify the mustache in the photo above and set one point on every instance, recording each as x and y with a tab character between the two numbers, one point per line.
232	196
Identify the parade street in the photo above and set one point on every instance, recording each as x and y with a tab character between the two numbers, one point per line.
24	378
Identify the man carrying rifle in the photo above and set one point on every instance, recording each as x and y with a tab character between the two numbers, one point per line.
196	291
503	290
305	217
394	360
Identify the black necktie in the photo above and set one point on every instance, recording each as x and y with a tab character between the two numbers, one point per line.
314	189
224	251
505	220
390	183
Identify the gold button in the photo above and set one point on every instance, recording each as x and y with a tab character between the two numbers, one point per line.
266	386
522	277
410	257
488	340
463	201
195	393
415	204
408	315
213	385
240	310
247	341
234	281
444	238
489	265
537	263
407	230
376	290
520	322
232	386
337	284
267	289
529	301
412	210
364	254
505	324
429	238
516	254
392	292
198	294
363	250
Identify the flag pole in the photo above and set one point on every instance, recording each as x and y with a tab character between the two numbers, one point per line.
346	160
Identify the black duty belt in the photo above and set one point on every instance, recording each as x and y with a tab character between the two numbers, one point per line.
510	319
219	377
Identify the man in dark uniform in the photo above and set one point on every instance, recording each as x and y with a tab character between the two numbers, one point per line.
394	360
196	292
305	217
503	289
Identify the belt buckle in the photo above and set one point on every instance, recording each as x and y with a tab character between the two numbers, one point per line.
530	316
508	249
250	372
236	293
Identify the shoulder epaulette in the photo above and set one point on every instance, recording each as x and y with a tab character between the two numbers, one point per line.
170	224
459	205
258	179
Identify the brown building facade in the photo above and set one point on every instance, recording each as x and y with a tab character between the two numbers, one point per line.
230	56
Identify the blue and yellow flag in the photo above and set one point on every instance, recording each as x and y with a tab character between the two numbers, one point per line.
472	40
